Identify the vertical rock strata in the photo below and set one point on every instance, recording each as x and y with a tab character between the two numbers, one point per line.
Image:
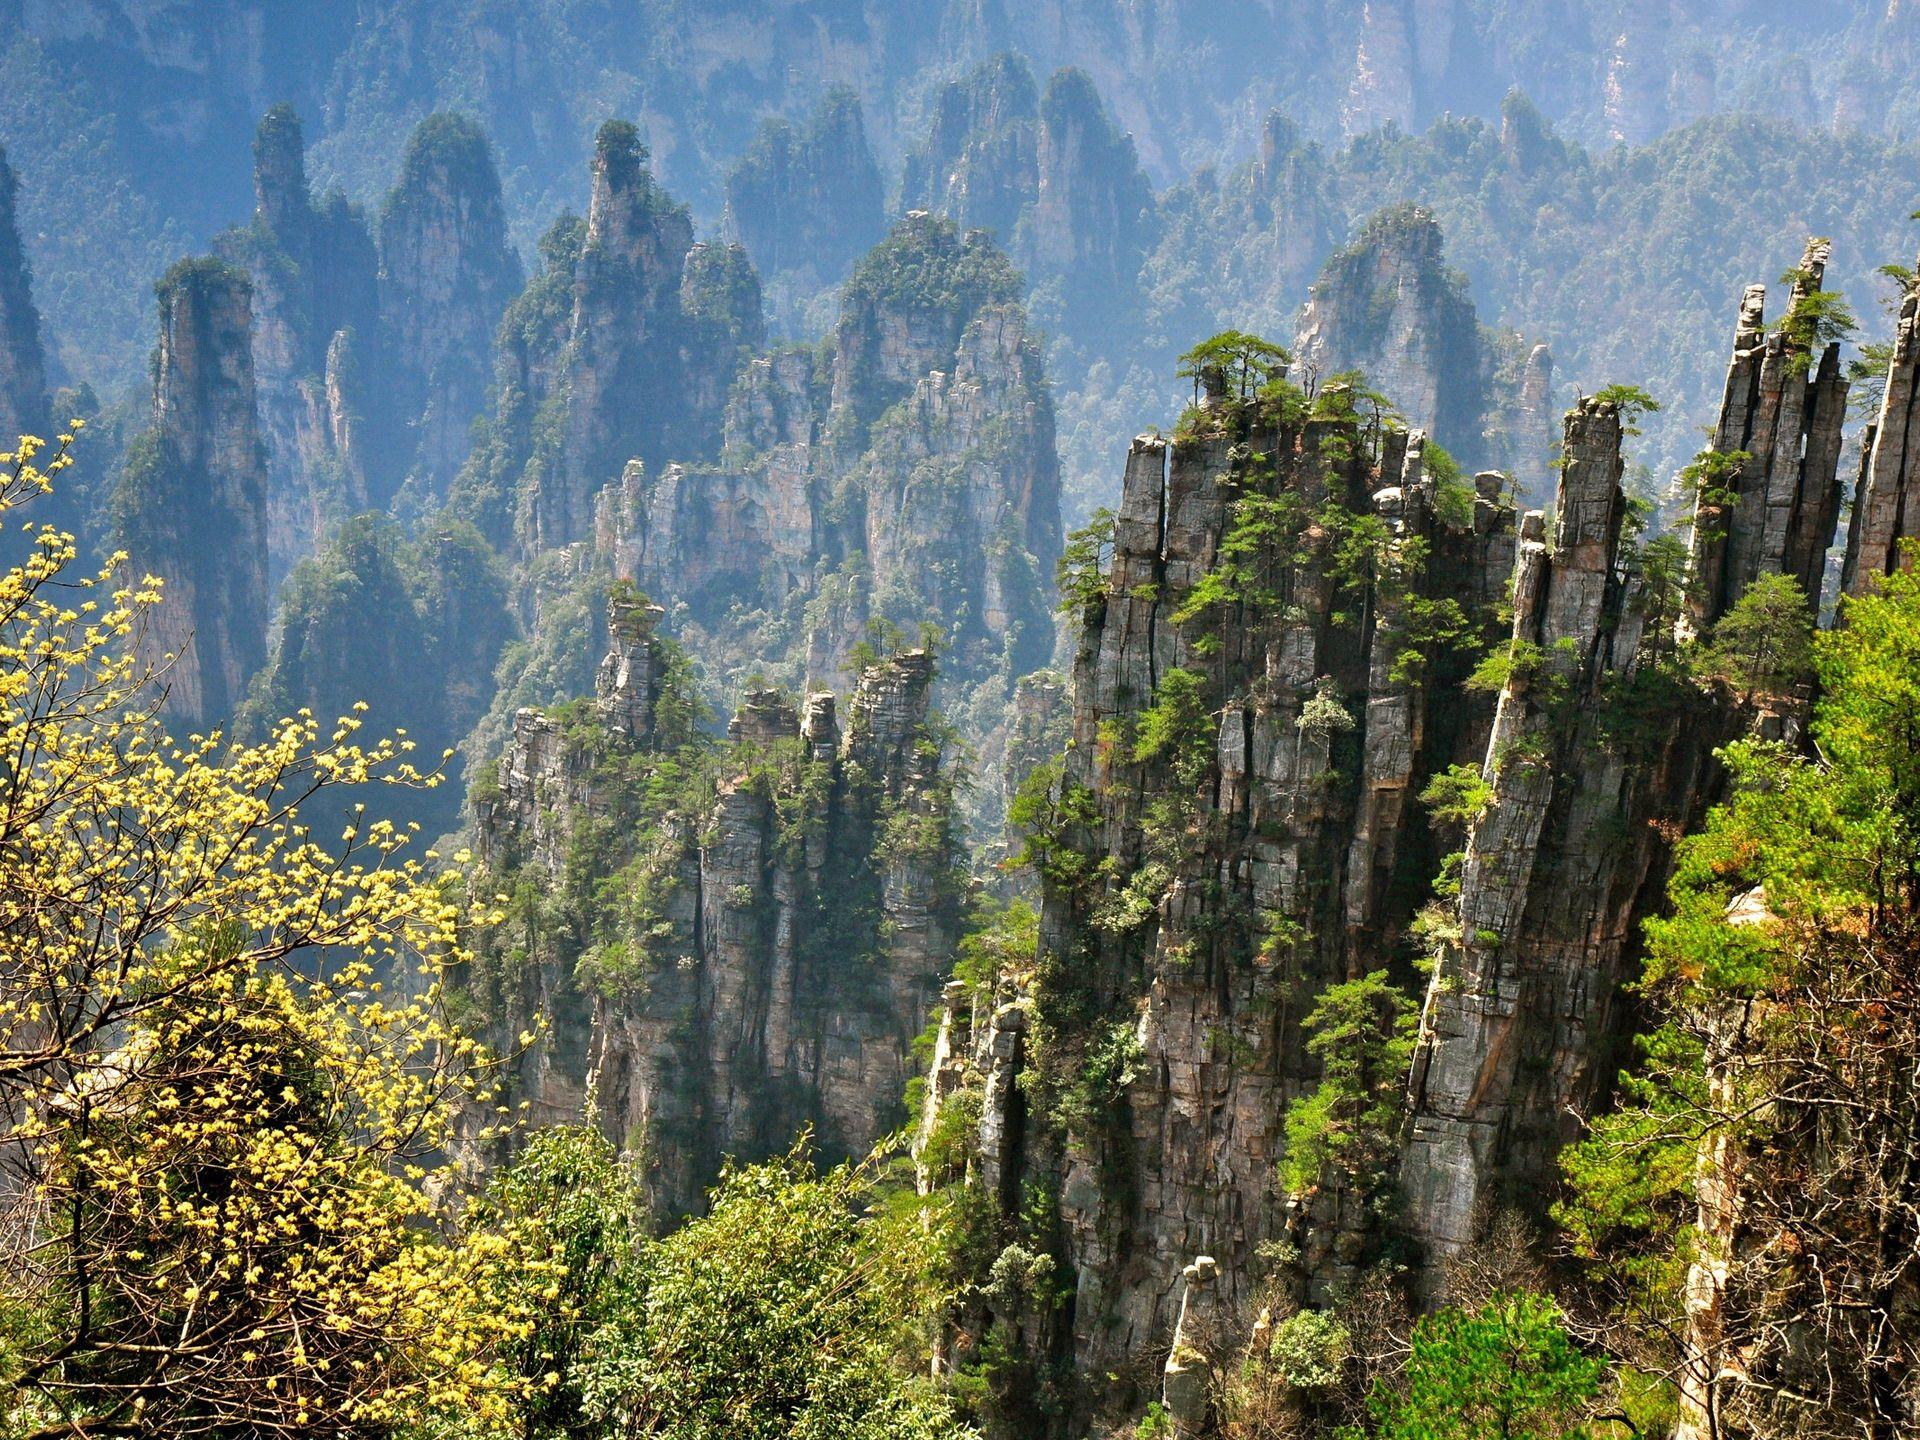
1886	502
335	311
23	376
1771	504
764	948
910	475
1386	304
1198	898
192	503
808	200
1233	828
446	275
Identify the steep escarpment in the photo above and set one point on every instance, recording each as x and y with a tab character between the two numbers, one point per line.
446	275
369	340
807	202
191	504
733	940
1387	305
1050	174
638	369
1346	731
23	373
905	475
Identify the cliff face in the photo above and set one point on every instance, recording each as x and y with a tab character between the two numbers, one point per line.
411	626
1233	829
641	379
808	199
191	506
1052	176
446	275
1387	304
370	356
1886	498
908	475
313	270
23	376
753	953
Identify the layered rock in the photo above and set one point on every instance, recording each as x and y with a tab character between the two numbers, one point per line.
1596	755
908	477
1051	175
412	627
1231	831
808	199
1770	505
759	952
979	162
370	354
1886	498
640	379
191	506
316	327
1387	305
23	374
446	275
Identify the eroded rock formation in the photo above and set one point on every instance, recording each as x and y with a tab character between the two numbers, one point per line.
909	476
759	949
23	374
191	507
369	354
808	199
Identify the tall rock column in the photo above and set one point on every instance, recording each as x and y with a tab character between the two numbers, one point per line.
1387	304
624	386
1886	504
446	275
1519	1007
1771	504
23	377
191	507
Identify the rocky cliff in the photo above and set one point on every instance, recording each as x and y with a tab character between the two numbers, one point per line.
733	940
313	271
446	275
1886	498
23	375
370	349
1386	304
907	475
191	505
808	199
1336	715
640	377
1051	175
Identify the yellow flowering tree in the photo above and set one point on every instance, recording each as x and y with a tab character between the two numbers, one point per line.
222	1057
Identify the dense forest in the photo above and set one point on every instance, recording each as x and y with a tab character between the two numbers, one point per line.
839	721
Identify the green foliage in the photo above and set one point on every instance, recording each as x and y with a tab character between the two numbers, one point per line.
1347	1128
1458	795
572	1221
1178	728
1081	573
1156	1424
1763	645
1631	401
779	1314
1259	543
1309	1349
1245	363
1323	716
1815	319
1507	1371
